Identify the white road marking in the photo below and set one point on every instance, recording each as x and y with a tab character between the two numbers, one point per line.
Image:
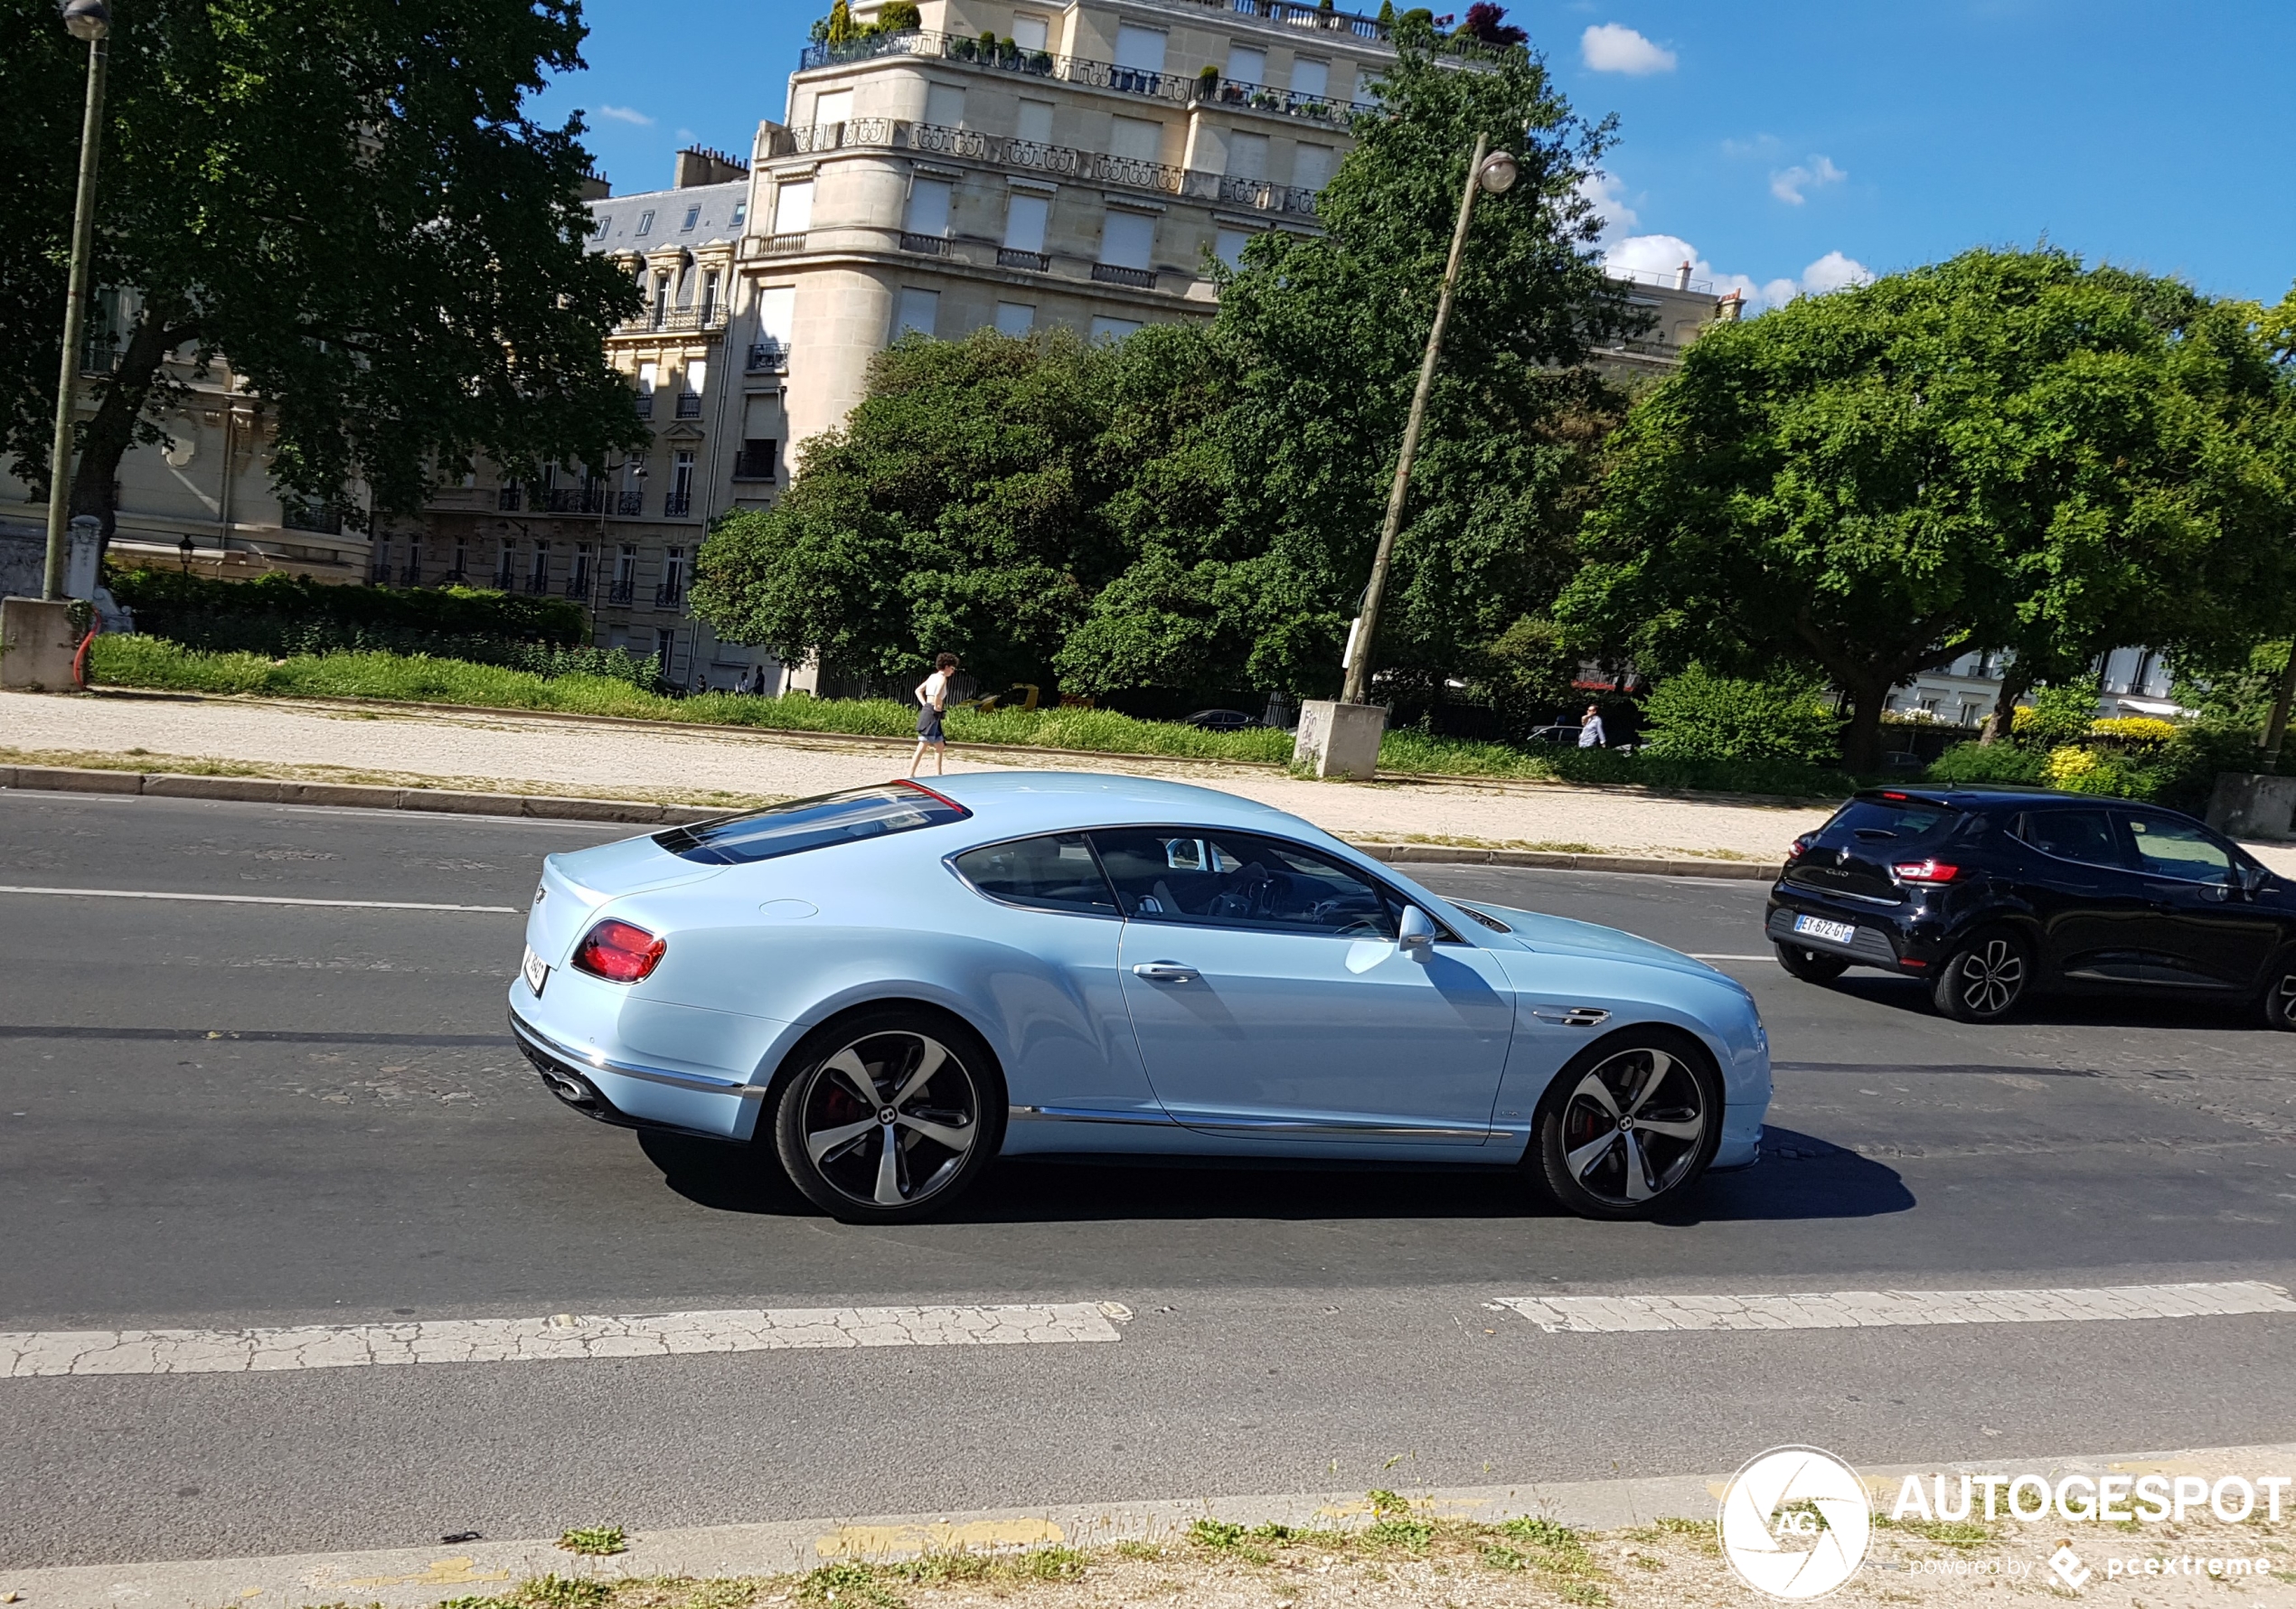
34	1354
1694	956
1856	1310
506	910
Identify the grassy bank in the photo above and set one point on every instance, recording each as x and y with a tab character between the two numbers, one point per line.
156	662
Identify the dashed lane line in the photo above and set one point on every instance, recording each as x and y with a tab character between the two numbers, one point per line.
561	1337
502	910
1857	1310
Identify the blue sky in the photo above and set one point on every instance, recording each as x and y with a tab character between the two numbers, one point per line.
1779	145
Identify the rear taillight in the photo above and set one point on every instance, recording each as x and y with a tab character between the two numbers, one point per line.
1794	849
618	953
1926	871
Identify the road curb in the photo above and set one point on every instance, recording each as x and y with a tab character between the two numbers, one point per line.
268	790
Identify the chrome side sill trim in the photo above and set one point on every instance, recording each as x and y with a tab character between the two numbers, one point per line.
1089	1114
651	1075
1301	1128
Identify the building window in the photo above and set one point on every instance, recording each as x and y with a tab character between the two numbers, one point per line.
1228	245
759	461
665	644
1025	217
692	217
1136	139
646	224
625	575
944	105
1112	329
697	380
792	207
928	209
506	568
1311	78
709	295
1015	318
578	579
671	593
462	557
1246	64
1140	49
740	212
1247	156
1031	34
1127	239
1312	166
919	310
538	578
777	314
1035	123
833	106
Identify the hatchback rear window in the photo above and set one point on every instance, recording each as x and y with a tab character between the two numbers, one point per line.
810	823
1895	818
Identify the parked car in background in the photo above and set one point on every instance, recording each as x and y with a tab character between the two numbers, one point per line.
886	989
1558	736
1221	721
1987	897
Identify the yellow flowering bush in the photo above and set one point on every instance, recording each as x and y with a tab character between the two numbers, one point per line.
2135	729
2067	766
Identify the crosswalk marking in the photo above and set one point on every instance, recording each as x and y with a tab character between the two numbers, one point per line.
1855	1310
563	1336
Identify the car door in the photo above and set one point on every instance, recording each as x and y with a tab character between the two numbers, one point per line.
2208	932
1272	1001
2097	924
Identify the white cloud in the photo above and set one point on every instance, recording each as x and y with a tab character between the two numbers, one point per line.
1662	257
1611	47
1790	185
1601	192
623	114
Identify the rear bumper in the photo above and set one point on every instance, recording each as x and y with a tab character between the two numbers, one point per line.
632	1096
1884	938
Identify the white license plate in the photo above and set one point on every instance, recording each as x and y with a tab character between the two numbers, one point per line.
537	971
1839	933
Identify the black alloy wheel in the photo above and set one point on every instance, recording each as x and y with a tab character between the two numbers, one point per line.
1627	1127
2279	993
1984	980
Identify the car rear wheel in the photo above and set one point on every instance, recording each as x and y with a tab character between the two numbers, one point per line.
1984	980
2279	993
1812	966
1627	1127
888	1117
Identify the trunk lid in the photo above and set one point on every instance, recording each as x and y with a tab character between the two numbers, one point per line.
577	882
1852	853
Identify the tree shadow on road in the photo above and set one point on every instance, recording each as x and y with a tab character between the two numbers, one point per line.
1800	1178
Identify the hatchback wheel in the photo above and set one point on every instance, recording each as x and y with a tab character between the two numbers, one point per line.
1984	980
889	1116
1629	1125
2280	994
1812	966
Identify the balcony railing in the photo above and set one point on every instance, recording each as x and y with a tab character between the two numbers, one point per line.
768	357
620	593
571	500
689	405
1062	161
539	582
676	320
669	594
629	505
1287	103
676	505
510	499
1008	257
379	572
577	585
412	575
781	244
925	245
505	579
323	518
642	404
1108	273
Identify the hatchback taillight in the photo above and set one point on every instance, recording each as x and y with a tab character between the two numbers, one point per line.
1798	848
618	952
1926	871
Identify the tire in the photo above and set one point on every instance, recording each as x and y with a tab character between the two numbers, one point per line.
1985	979
1812	966
1629	1125
924	1143
2279	999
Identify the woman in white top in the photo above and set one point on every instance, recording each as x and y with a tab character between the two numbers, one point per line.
932	700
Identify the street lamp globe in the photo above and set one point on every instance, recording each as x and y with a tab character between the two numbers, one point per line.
1498	174
86	20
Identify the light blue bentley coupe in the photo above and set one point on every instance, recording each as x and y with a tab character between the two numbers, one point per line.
894	985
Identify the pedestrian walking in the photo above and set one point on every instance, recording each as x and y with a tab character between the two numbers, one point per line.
933	699
1590	728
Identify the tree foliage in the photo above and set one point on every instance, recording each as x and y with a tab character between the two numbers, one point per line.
1695	714
348	201
2008	449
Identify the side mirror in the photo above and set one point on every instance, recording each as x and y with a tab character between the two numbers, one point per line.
1416	931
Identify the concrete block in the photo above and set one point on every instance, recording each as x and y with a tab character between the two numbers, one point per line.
66	779
357	795
252	790
592	810
1338	739
36	645
2251	806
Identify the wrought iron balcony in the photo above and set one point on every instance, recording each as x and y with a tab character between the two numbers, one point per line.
925	245
505	579
629	505
323	518
676	505
620	593
1036	262
379	572
511	498
689	405
669	594
539	582
676	320
412	575
768	357
571	500
1108	273
642	404
577	585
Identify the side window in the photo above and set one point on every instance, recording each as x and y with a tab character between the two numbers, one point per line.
2177	850
2084	835
1054	873
1236	879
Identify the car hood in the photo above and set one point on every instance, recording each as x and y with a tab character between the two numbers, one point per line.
1587	938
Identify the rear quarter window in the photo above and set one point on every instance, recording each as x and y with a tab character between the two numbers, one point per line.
810	823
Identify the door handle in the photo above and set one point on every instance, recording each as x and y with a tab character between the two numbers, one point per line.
1167	971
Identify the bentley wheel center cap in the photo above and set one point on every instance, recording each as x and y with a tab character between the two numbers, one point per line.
885	1115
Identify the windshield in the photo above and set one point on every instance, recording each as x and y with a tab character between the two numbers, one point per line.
810	823
1890	818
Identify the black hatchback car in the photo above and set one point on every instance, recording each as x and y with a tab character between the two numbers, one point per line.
1988	895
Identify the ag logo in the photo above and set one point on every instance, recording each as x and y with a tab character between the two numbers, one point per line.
1795	1522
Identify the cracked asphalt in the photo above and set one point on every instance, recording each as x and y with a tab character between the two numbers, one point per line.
225	1116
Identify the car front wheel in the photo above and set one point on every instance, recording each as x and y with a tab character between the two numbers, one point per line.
2279	993
1984	980
1629	1125
888	1115
1812	966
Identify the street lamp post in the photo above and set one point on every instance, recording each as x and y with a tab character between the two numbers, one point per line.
89	20
1343	739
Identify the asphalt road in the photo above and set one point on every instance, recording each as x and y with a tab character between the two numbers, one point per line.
223	1114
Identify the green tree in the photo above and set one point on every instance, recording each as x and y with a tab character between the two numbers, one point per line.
2006	449
347	201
